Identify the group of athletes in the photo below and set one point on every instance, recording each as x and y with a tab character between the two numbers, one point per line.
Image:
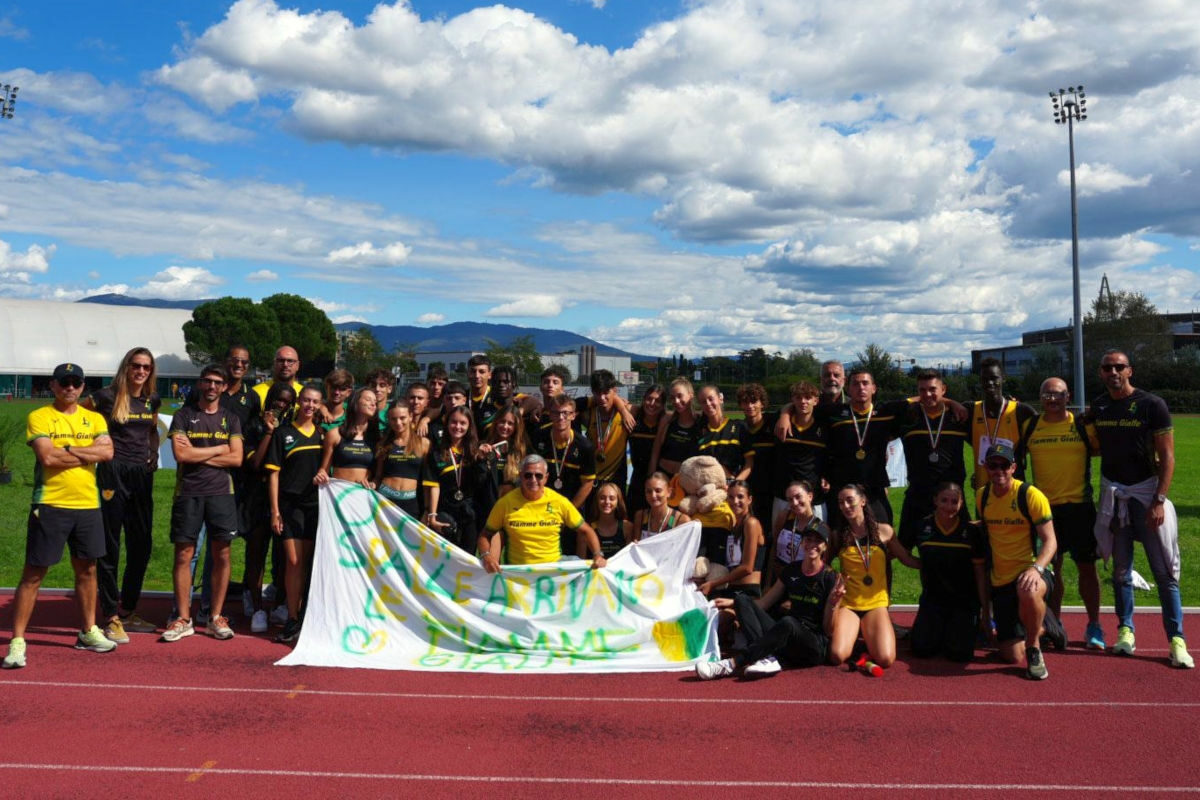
800	553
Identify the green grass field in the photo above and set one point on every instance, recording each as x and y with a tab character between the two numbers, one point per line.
14	508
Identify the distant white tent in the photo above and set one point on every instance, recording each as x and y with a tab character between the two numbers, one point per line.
36	335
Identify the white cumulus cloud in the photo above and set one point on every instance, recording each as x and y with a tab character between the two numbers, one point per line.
367	254
537	305
430	318
262	276
180	283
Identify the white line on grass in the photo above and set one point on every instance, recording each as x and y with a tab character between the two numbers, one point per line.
526	698
563	780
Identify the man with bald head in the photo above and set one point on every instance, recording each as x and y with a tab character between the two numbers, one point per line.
1060	447
284	369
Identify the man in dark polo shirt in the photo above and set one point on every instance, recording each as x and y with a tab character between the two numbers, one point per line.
1137	464
207	443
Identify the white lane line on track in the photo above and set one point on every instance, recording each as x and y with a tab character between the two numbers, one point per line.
512	779
525	698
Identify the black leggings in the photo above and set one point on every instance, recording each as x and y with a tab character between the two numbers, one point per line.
127	501
796	642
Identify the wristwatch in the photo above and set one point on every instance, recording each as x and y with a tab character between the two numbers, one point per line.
1160	498
67	447
1040	569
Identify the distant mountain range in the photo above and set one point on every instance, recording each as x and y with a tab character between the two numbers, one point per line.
453	337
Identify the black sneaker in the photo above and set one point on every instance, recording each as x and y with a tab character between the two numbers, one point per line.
290	632
1035	668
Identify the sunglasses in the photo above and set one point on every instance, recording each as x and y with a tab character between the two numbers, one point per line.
241	362
140	367
997	466
70	383
1113	367
1053	395
534	476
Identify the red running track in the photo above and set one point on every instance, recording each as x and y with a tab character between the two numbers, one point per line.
203	718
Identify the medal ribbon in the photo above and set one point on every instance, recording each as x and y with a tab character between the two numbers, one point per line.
559	463
457	470
992	434
862	437
865	555
933	440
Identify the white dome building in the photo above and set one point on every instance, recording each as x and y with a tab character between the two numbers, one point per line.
37	335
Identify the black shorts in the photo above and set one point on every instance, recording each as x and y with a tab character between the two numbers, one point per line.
218	513
1006	609
1074	530
49	528
299	517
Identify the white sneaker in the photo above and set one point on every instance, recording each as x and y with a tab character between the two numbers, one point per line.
247	603
764	666
707	670
279	616
258	622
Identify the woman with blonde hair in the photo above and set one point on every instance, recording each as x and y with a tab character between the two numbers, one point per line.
130	407
678	437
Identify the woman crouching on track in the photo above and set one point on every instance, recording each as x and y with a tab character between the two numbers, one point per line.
293	464
398	461
348	452
862	546
801	637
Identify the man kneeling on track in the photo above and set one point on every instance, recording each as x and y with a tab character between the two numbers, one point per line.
1020	583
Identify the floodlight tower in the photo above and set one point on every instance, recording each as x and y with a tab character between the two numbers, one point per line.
8	99
1070	106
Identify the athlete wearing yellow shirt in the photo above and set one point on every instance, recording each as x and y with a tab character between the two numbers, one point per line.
68	442
1060	451
530	520
996	420
284	370
1020	583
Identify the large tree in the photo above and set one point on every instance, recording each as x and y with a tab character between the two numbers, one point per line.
1129	322
217	325
521	354
883	369
305	327
363	353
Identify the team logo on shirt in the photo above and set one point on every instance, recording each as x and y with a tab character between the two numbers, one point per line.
108	494
1133	408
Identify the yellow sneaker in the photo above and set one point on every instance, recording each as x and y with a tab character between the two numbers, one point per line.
1179	654
1125	644
16	654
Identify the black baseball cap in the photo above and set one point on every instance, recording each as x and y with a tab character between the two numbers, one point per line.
1001	451
67	370
818	529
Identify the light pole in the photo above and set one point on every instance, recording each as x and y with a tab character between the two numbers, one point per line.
1070	105
8	99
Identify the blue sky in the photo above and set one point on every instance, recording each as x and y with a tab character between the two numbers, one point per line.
696	177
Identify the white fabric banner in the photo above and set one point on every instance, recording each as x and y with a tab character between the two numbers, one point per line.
388	593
